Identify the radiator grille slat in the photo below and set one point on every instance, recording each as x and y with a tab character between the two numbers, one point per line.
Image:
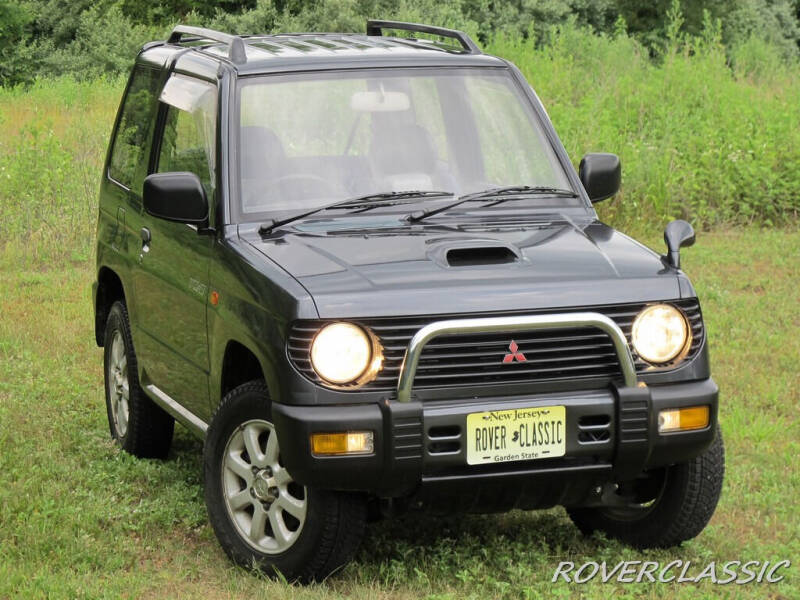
474	359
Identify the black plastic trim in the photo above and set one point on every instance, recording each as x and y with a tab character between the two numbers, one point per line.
403	464
376	28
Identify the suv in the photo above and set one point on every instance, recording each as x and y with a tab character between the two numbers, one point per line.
364	271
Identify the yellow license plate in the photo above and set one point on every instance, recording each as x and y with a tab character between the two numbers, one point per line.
519	434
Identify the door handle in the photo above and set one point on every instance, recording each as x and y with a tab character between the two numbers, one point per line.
145	235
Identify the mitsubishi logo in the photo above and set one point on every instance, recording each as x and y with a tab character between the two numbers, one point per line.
514	354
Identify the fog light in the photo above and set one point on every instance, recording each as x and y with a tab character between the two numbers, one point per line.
348	442
683	419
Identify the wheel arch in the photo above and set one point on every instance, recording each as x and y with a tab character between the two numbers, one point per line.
109	290
240	364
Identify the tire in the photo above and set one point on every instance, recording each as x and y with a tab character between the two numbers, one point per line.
687	495
140	426
321	529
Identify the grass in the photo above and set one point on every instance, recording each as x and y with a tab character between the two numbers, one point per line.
79	518
52	146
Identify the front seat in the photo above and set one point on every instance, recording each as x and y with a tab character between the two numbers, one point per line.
404	157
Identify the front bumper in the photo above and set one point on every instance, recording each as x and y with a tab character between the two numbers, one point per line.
611	435
420	447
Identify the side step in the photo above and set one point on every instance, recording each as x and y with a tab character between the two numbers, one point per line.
194	423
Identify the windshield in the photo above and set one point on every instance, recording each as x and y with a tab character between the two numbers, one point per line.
309	140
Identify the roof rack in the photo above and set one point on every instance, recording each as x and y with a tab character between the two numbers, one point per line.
236	51
376	27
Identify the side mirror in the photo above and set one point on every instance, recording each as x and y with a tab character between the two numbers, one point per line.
178	197
601	174
677	234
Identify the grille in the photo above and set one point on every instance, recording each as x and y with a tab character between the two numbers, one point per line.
594	429
474	359
444	439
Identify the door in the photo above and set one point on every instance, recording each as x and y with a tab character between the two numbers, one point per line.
121	189
172	279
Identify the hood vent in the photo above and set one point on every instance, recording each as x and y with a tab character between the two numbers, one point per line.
478	256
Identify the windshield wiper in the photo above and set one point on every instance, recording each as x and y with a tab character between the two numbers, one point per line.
498	194
361	202
380	199
509	191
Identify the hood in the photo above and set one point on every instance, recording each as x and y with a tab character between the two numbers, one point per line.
430	269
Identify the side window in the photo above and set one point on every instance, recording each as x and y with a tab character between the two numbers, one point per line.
188	143
130	152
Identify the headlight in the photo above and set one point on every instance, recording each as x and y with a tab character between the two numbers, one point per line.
660	333
343	353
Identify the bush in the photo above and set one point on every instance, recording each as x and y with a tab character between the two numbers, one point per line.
698	140
105	43
86	37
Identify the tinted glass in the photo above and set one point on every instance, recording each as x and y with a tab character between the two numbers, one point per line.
132	141
312	139
190	130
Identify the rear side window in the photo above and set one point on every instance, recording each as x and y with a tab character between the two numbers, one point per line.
130	153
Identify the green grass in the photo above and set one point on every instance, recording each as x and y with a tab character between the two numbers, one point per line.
79	518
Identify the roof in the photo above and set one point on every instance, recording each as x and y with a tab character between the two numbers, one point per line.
317	51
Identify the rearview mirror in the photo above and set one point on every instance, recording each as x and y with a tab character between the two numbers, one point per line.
601	174
678	234
178	197
380	101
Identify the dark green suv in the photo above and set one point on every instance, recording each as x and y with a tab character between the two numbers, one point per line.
364	271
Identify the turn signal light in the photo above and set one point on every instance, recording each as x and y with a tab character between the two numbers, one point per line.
683	419
348	442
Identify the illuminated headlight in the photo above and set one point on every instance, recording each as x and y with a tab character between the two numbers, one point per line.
660	333
343	353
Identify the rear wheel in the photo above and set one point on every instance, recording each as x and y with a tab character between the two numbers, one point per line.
139	425
674	504
263	518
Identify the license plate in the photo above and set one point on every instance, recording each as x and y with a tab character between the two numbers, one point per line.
519	434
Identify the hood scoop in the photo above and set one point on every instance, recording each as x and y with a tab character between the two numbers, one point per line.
480	256
472	252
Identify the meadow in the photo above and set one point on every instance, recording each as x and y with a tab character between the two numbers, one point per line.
81	519
699	139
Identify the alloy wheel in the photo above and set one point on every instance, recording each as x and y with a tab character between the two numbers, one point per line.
118	385
265	504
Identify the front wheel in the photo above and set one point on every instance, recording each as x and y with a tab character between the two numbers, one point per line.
676	505
263	518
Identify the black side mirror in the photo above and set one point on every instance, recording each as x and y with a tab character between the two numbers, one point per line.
176	197
678	234
601	175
